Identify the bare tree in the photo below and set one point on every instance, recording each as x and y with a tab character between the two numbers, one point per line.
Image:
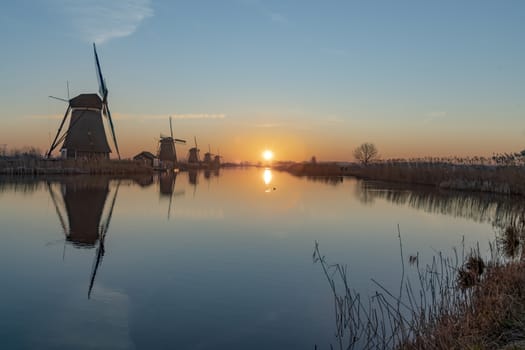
366	153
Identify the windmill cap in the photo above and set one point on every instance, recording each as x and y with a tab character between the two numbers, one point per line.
86	101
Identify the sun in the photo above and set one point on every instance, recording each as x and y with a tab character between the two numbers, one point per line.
267	155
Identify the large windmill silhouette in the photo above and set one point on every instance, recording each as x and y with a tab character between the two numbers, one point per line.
85	136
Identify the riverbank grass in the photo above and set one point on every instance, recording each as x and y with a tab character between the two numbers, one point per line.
455	303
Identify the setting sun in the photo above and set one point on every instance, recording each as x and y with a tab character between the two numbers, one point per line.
267	155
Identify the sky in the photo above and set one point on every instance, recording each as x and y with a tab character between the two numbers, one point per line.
302	78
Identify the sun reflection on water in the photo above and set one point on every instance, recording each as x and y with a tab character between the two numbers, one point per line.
267	177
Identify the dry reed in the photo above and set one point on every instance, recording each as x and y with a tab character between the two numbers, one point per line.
455	303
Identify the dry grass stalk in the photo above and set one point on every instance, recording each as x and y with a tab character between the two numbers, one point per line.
452	305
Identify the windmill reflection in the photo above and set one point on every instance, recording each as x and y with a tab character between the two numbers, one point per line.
83	203
193	179
210	173
167	187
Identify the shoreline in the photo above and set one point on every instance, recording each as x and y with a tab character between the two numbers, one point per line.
501	179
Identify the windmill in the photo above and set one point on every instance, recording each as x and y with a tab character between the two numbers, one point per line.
217	159
167	153
208	156
86	136
193	153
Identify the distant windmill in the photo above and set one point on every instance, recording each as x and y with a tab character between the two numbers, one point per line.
208	156
167	153
217	159
193	153
85	136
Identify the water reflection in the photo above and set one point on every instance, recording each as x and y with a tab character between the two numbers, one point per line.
499	210
167	183
329	180
19	184
83	202
193	177
144	181
233	229
167	189
267	178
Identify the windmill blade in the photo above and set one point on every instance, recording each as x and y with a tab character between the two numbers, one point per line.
101	250
96	264
57	209
171	129
169	206
101	82
104	93
110	214
58	98
55	143
108	114
179	140
195	139
71	126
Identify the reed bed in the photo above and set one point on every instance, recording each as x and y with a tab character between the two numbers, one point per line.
38	166
456	302
505	179
490	176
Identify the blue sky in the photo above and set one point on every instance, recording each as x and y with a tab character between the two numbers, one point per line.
301	77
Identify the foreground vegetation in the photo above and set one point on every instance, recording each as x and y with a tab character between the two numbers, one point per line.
500	175
455	303
26	165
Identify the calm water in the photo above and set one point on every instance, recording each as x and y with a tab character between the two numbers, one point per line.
207	260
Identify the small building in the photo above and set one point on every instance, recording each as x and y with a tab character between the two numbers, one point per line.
147	158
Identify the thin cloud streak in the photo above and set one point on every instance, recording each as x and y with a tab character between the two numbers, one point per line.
191	116
137	117
269	125
432	116
101	20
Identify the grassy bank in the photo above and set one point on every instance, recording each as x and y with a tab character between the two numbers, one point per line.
37	166
455	302
504	179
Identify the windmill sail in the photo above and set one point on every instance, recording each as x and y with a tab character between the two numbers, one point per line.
101	82
103	91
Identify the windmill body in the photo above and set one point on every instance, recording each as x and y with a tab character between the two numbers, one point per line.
167	153
208	156
193	154
167	150
86	137
217	160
